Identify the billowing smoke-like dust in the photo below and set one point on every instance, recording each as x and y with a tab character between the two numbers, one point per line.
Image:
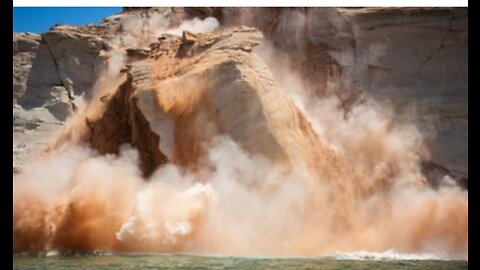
240	203
195	26
138	33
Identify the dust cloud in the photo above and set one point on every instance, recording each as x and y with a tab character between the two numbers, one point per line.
72	198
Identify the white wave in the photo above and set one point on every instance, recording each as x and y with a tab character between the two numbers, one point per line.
96	252
52	253
389	255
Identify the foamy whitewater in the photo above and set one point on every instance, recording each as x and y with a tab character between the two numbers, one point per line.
72	198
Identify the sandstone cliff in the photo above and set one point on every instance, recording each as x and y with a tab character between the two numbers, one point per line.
415	59
243	131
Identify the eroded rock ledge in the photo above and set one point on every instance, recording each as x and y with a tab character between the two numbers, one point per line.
182	91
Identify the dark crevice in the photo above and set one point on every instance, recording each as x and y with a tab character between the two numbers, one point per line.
57	71
440	47
123	123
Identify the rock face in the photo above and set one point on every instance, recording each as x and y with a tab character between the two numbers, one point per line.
411	58
213	91
176	96
55	68
424	66
52	73
37	92
25	46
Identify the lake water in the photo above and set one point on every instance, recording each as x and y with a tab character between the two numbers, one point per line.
156	261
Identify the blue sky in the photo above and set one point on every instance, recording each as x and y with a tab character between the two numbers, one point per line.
40	19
